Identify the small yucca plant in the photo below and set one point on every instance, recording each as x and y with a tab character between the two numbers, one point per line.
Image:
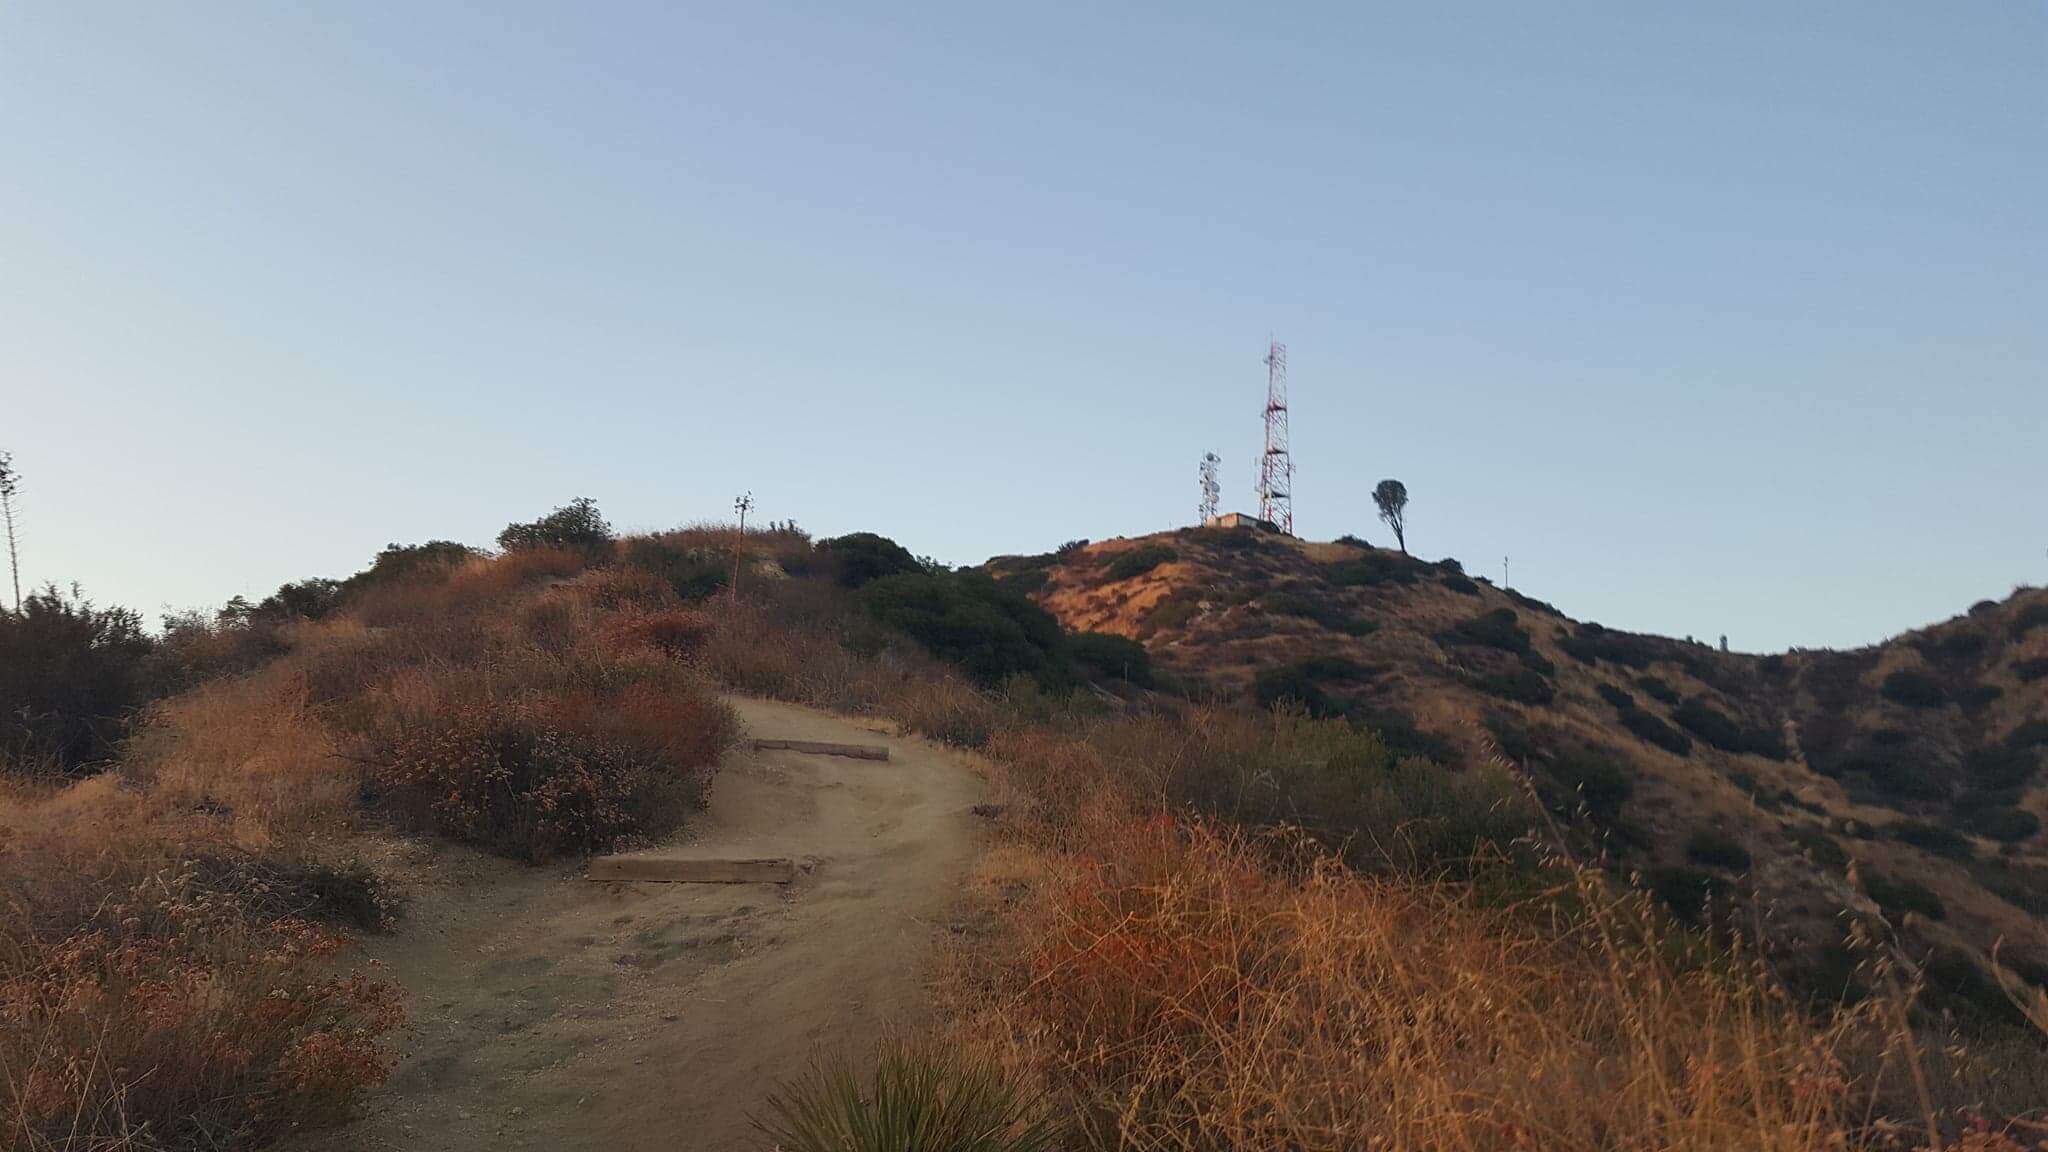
918	1100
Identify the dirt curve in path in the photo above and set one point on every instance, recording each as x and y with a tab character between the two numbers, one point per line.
545	1010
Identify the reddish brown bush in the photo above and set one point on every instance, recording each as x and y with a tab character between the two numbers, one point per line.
141	1011
536	778
677	632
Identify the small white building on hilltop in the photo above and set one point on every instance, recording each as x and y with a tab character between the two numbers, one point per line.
1239	520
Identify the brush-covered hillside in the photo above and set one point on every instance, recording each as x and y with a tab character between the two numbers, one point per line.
1896	786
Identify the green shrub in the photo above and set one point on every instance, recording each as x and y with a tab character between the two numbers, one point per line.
1649	729
916	1100
1687	892
1138	561
1657	689
2031	734
1914	689
1324	610
861	557
1721	731
971	620
2031	670
1302	683
1820	847
1028	580
1597	781
1522	685
2024	886
577	524
303	600
1461	584
1900	772
404	561
1495	629
1945	842
1620	700
692	573
1714	848
1111	657
2034	615
2001	765
1955	645
1836	678
2005	825
1896	895
1590	643
1531	602
1382	809
1375	568
70	675
1976	697
1397	730
1177	610
1695	715
1511	737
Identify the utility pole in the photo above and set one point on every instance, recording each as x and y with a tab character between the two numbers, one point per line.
741	505
7	479
1504	573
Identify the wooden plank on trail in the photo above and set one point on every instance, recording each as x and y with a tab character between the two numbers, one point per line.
857	751
769	871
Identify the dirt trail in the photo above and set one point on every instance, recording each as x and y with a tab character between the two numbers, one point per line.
548	1011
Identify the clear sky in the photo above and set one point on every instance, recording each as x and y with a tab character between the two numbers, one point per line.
1715	317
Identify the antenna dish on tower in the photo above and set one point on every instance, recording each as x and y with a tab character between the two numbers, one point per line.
1276	467
1212	492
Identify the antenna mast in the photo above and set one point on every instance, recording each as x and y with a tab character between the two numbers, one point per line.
1276	467
1212	492
7	494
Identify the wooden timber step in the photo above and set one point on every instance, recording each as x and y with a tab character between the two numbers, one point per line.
857	751
774	870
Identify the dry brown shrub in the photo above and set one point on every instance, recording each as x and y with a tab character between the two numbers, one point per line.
947	709
542	776
627	589
679	632
469	588
1185	994
141	1008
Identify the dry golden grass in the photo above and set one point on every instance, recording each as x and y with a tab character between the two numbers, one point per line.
1178	985
1185	994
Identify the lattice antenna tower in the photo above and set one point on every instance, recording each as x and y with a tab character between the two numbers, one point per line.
1276	467
1212	492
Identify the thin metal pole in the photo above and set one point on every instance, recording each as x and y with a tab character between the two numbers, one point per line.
740	505
7	506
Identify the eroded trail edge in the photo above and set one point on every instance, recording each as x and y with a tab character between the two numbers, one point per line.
545	1010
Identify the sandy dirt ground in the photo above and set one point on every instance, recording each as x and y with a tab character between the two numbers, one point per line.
545	1010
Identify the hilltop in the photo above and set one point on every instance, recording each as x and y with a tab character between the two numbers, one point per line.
1248	868
1804	792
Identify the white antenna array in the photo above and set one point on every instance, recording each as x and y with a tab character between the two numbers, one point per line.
1212	492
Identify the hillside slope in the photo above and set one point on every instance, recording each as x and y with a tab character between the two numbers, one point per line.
1893	785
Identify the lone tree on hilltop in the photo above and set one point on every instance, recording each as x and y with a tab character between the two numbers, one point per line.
1392	497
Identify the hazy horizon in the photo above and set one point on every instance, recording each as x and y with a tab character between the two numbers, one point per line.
1722	320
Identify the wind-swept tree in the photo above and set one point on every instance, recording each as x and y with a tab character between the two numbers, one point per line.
1392	497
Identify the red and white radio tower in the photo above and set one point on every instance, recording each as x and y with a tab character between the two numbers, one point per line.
1276	467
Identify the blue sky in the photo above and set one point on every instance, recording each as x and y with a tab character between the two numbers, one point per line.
1717	318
